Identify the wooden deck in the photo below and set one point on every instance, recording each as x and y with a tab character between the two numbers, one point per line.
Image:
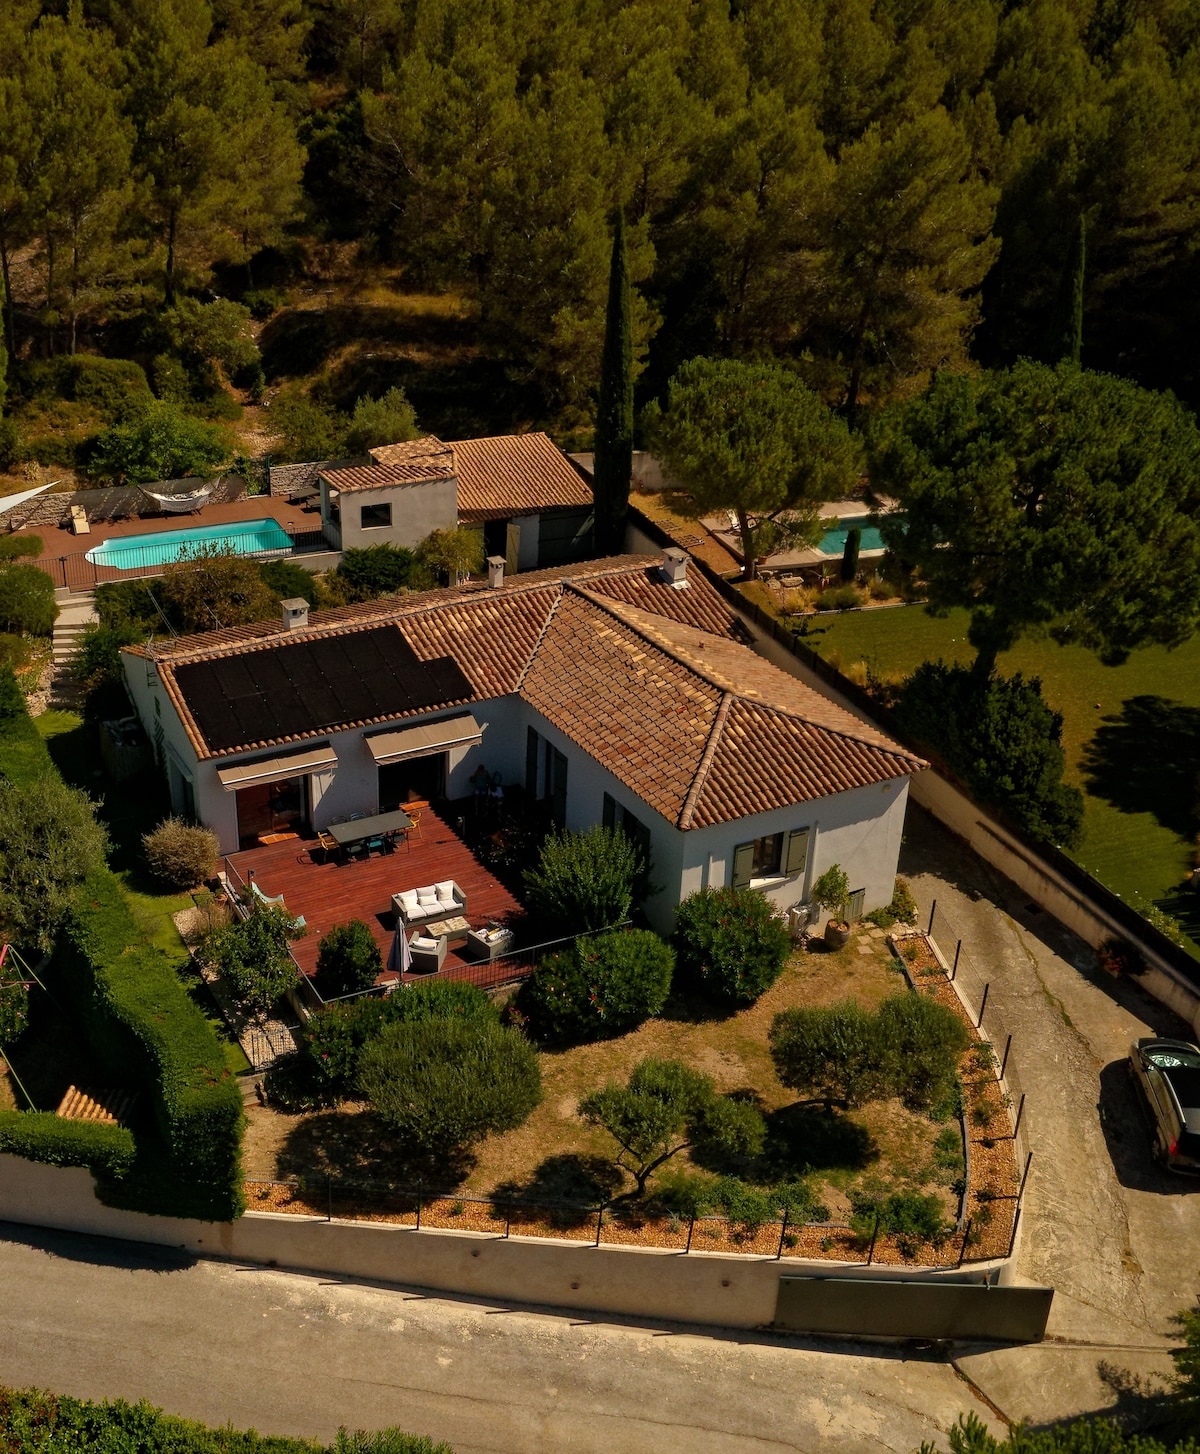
331	893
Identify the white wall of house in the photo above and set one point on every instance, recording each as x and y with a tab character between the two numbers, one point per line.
417	510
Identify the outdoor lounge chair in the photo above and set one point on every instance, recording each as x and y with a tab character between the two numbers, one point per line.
428	955
79	521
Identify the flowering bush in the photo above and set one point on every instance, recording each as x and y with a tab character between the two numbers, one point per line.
14	1011
730	943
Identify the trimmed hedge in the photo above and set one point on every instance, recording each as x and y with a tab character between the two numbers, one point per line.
138	1018
107	1151
138	1014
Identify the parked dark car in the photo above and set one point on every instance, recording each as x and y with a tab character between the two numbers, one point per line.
1168	1074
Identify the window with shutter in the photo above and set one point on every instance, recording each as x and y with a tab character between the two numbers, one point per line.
795	856
743	865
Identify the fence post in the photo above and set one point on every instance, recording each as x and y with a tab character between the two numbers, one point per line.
691	1229
599	1224
874	1234
1004	1057
957	950
1012	1241
966	1237
782	1235
983	1004
420	1191
932	912
507	1218
1024	1174
1020	1113
329	1196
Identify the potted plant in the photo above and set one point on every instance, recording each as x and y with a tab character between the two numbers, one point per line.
832	891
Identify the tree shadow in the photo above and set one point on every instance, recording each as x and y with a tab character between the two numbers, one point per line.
805	1138
1146	758
359	1147
583	1181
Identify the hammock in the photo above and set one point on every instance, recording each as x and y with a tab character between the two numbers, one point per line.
181	504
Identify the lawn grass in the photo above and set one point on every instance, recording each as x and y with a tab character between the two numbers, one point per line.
1131	734
554	1156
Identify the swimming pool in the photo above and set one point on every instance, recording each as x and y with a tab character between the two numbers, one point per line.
241	537
833	542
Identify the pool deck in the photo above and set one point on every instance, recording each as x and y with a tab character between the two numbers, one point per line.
58	541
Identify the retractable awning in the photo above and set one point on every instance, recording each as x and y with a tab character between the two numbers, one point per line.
423	741
275	769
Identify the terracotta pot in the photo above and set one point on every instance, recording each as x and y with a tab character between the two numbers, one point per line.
837	935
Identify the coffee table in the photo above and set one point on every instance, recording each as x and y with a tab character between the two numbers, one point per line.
453	931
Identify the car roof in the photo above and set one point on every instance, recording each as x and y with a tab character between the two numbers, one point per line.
1149	1041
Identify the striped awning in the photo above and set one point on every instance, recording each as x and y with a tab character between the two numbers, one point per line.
422	741
275	769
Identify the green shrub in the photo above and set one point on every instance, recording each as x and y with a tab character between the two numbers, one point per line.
253	958
387	420
13	547
116	388
584	881
140	1021
603	985
263	302
828	1053
161	444
920	1044
212	587
14	1009
289	580
911	1217
15	651
348	960
107	1151
180	854
375	570
125	605
730	944
32	1422
832	892
443	1084
27	601
901	910
839	598
307	430
1002	739
49	841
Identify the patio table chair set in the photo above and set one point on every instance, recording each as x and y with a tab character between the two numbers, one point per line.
365	833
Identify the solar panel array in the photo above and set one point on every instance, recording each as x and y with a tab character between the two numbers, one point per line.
314	686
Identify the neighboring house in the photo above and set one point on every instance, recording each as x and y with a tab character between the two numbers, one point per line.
618	690
530	502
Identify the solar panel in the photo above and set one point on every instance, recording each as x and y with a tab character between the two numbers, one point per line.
314	686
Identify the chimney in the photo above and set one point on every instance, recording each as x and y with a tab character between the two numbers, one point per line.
674	567
295	614
495	565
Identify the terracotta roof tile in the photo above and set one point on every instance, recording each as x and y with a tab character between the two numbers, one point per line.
515	474
381	476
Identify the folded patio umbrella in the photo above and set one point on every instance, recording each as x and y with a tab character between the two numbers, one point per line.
399	957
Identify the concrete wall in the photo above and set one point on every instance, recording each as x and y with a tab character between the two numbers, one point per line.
700	1287
417	510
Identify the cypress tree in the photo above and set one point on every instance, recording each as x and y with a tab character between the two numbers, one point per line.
614	413
1070	331
850	553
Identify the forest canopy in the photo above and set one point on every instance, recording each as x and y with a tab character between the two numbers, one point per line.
869	191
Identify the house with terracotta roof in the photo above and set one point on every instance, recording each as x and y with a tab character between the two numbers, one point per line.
531	504
619	692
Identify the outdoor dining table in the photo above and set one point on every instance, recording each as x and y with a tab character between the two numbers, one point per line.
378	825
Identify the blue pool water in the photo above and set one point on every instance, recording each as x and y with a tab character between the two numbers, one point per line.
243	537
833	542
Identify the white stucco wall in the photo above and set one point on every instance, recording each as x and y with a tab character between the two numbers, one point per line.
417	510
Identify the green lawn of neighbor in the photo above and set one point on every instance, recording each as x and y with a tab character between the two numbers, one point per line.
1131	734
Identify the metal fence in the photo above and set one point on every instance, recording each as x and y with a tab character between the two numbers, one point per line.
608	1225
76	572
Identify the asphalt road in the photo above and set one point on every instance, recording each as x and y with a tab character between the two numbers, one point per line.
288	1353
291	1354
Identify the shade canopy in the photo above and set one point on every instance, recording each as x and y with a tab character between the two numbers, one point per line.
10	502
276	769
421	741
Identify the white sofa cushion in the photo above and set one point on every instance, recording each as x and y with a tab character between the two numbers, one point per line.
448	906
423	945
445	890
408	903
427	898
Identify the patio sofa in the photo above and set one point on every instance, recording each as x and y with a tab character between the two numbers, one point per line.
444	900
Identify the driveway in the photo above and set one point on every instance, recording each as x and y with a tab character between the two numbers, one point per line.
1118	1239
294	1354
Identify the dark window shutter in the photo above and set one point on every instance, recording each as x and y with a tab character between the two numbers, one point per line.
854	907
743	865
795	853
609	818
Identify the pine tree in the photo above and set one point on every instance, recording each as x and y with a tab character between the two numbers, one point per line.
614	412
